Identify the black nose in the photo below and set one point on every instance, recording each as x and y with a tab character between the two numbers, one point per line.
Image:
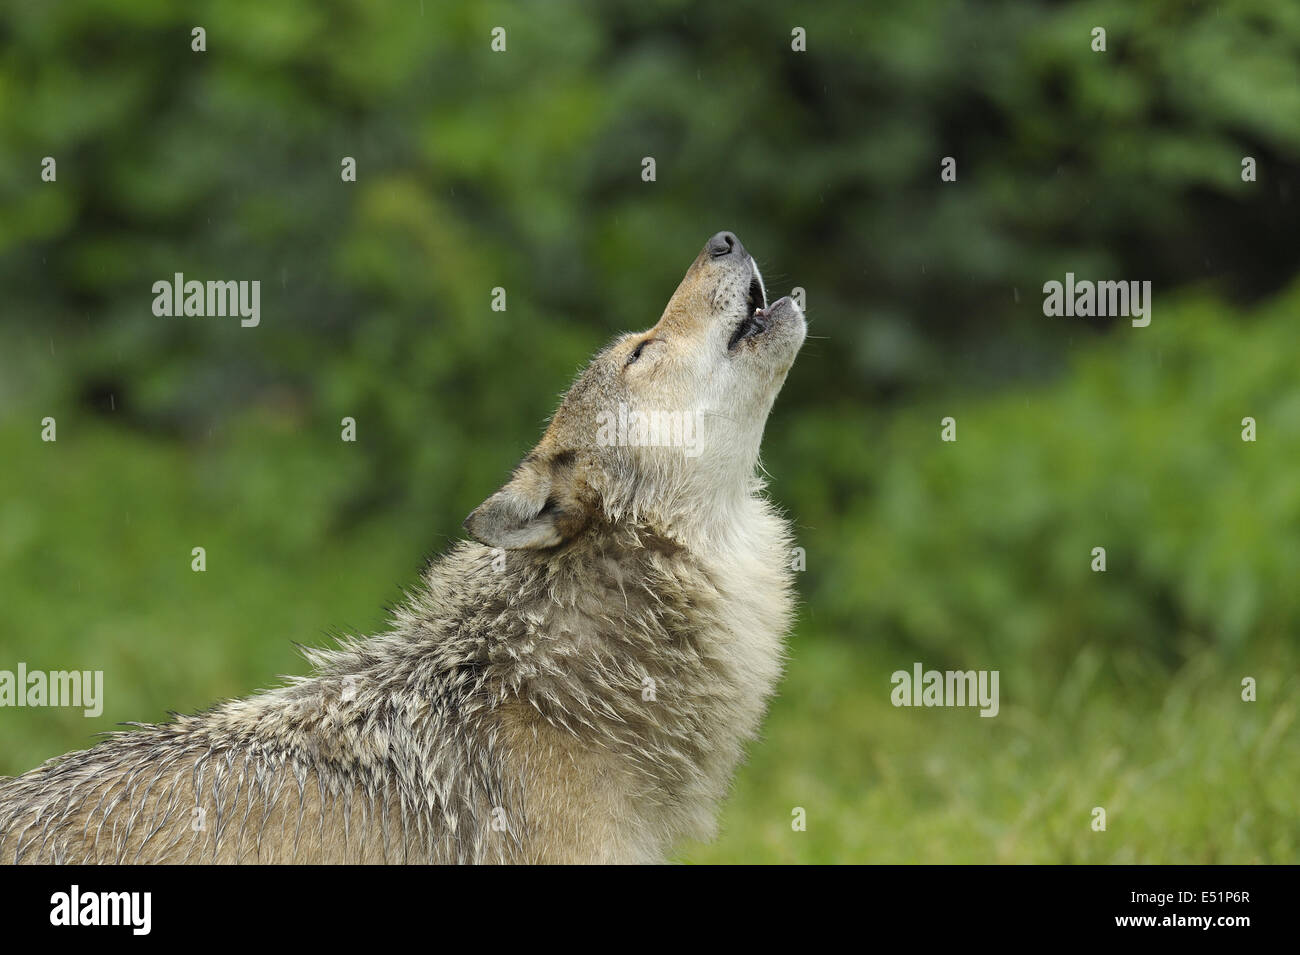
725	243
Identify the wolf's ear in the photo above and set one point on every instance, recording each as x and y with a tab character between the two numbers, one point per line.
537	508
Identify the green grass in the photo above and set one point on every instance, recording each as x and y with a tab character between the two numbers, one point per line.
1186	771
95	557
1119	690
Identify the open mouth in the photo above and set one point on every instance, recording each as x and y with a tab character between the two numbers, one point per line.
756	314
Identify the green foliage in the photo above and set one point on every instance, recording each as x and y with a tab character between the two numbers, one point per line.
978	552
521	169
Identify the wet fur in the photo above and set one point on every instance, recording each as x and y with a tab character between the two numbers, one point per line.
576	685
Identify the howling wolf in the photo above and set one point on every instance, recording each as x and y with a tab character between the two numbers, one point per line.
575	684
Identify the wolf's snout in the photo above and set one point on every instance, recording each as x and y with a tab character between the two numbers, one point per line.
725	243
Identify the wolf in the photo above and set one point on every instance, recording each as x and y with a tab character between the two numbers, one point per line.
575	683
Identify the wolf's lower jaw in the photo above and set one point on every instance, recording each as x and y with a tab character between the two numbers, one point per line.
754	325
753	321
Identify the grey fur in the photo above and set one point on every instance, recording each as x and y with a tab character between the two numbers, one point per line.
504	716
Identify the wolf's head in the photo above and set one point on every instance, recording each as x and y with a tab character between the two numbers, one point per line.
663	427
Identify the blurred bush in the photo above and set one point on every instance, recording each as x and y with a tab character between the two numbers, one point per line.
521	169
979	552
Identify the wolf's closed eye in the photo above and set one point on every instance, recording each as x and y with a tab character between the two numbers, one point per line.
636	352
